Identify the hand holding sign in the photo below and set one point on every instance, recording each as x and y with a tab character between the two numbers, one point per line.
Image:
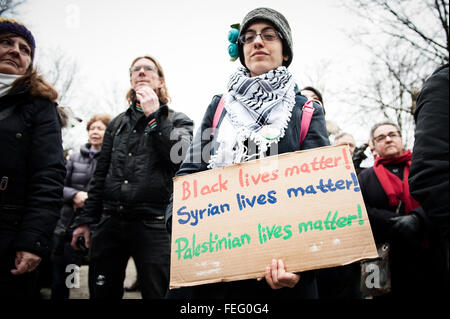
277	277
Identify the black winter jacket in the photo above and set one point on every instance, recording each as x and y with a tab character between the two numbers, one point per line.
80	169
377	204
31	170
428	178
137	163
408	258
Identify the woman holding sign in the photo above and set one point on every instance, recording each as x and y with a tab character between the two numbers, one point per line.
262	115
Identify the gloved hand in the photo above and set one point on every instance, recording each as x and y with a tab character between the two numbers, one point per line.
406	227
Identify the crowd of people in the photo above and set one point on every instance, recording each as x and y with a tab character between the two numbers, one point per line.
112	200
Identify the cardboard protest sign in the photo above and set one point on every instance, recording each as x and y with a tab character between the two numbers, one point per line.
305	208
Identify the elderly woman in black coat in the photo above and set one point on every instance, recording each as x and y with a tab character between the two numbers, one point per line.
31	162
80	169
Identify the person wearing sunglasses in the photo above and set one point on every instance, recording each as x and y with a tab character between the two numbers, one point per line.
131	188
395	216
261	117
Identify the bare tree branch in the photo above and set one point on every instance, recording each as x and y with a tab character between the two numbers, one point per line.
407	40
59	69
410	25
9	6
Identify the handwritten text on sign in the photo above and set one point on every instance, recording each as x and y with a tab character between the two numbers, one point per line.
304	207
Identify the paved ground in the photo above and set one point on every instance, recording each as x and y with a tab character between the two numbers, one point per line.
83	291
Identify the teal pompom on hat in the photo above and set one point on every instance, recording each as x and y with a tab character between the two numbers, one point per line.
233	51
8	25
233	35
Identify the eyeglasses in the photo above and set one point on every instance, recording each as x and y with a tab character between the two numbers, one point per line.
266	35
137	68
382	138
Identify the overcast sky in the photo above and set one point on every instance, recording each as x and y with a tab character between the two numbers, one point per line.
189	38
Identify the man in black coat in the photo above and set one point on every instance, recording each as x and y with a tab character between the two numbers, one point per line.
428	178
132	183
395	217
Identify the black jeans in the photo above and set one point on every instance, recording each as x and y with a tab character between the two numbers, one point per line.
112	244
59	264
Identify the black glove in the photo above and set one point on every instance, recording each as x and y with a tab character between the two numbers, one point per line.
358	153
406	227
359	156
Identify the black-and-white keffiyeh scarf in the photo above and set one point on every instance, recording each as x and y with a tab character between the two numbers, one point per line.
258	109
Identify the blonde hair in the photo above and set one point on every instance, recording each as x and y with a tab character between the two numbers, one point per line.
163	93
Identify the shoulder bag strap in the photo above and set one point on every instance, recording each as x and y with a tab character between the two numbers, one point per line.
217	114
307	113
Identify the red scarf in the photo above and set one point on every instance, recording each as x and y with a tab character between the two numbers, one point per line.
395	188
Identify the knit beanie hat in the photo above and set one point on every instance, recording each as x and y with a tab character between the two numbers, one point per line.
280	23
8	25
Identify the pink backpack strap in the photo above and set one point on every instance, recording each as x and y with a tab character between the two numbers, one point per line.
217	114
307	113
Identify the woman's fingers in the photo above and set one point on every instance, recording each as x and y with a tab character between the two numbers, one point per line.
277	277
